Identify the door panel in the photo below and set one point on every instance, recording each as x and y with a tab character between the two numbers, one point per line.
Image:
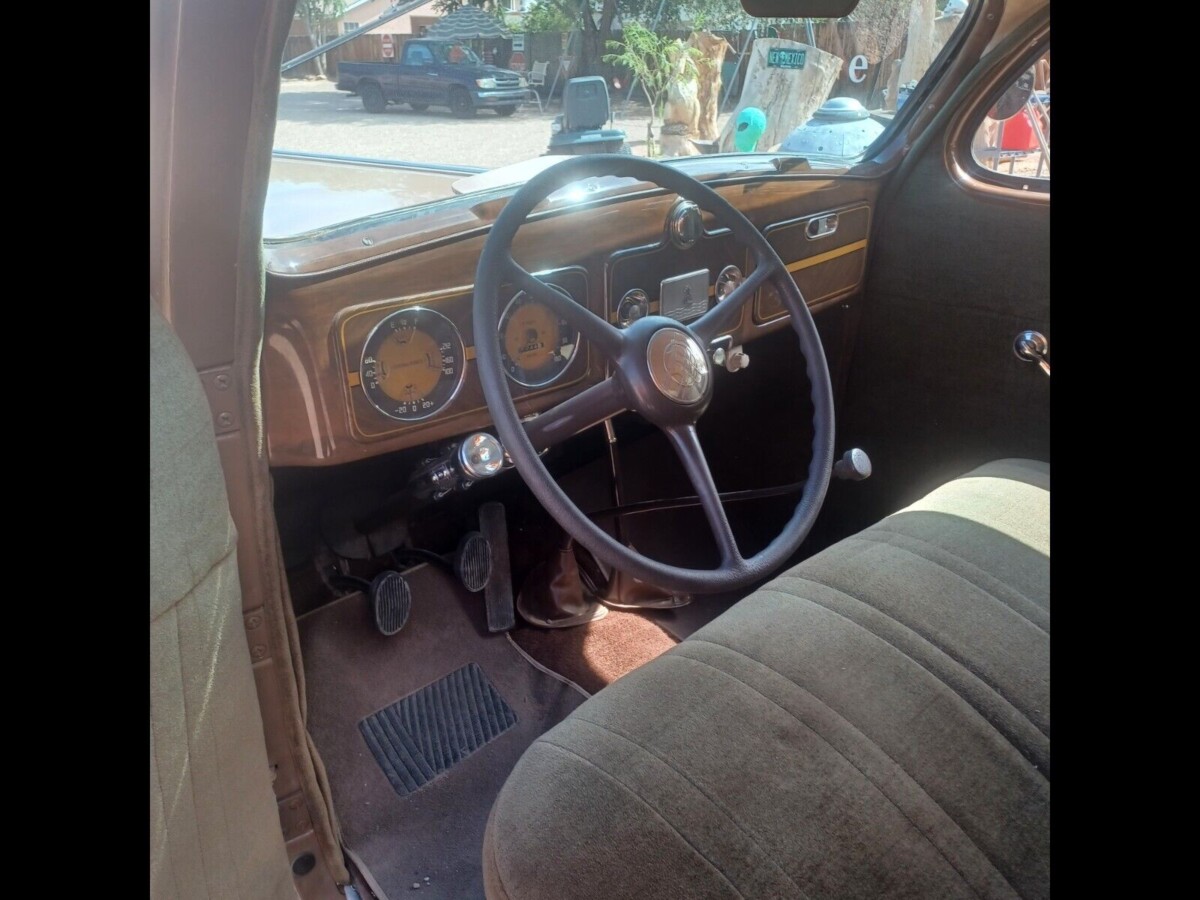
934	386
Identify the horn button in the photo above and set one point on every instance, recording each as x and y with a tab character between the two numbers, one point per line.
666	371
678	367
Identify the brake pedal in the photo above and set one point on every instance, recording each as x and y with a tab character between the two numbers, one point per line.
497	587
391	602
473	561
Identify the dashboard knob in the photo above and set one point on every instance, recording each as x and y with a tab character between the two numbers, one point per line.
737	359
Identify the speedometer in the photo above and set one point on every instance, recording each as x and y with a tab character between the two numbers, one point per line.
537	344
412	364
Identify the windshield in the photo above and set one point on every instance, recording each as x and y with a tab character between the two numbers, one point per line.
504	87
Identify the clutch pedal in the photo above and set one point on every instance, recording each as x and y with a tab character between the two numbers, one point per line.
391	602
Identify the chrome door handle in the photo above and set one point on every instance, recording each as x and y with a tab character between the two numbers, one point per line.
1032	346
821	226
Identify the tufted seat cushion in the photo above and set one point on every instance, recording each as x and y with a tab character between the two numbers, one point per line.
873	723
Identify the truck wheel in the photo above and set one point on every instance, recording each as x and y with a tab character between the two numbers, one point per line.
505	111
460	103
419	107
372	98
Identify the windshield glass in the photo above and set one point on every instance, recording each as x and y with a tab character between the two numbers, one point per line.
452	91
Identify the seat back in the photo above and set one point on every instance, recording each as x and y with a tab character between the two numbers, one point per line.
537	74
585	103
214	826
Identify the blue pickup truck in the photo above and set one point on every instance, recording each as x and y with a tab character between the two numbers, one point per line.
434	73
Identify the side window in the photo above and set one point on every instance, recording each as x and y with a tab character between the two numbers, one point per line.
1014	136
419	55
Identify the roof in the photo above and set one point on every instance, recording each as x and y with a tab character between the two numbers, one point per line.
466	23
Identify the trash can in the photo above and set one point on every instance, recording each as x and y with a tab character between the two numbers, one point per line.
1018	133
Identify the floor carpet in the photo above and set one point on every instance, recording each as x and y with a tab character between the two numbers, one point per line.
597	653
435	832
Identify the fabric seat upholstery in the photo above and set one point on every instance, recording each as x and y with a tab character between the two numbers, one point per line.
214	825
873	723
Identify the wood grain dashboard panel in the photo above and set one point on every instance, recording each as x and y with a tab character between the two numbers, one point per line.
316	321
824	268
645	268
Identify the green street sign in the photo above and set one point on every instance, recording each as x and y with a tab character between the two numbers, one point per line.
783	58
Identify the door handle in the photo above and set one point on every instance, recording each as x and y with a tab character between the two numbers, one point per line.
1032	346
821	226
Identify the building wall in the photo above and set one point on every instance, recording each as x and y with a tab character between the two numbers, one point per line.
405	24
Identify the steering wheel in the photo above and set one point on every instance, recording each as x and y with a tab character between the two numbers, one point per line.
662	370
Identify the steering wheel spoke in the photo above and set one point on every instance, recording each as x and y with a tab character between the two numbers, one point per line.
687	446
591	407
660	372
598	332
725	315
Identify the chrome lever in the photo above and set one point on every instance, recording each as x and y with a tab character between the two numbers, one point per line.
1032	346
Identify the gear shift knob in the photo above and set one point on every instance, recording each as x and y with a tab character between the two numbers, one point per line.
854	465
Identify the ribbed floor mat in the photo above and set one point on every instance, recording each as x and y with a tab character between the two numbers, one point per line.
422	735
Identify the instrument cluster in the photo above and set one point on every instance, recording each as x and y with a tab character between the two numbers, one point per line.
410	360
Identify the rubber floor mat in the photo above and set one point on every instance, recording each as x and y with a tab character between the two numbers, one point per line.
422	735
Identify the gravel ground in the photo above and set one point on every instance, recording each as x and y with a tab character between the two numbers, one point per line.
315	117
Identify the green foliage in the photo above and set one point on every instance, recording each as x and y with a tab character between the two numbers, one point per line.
656	61
725	15
489	6
550	15
719	15
320	15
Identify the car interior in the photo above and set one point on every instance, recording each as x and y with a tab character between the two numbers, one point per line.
648	528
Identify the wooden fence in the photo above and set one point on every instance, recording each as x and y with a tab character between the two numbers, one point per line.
368	48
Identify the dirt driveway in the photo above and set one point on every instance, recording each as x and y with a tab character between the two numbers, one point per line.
316	117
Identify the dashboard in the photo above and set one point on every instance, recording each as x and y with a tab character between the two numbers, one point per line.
366	355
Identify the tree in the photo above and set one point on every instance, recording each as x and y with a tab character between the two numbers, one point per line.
319	16
656	61
547	15
495	7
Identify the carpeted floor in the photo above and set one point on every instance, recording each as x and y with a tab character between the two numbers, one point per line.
598	653
435	832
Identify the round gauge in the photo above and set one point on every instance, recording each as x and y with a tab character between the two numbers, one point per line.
537	344
412	364
727	281
633	306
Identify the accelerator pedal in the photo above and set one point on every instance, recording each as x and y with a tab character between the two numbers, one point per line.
391	602
497	589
